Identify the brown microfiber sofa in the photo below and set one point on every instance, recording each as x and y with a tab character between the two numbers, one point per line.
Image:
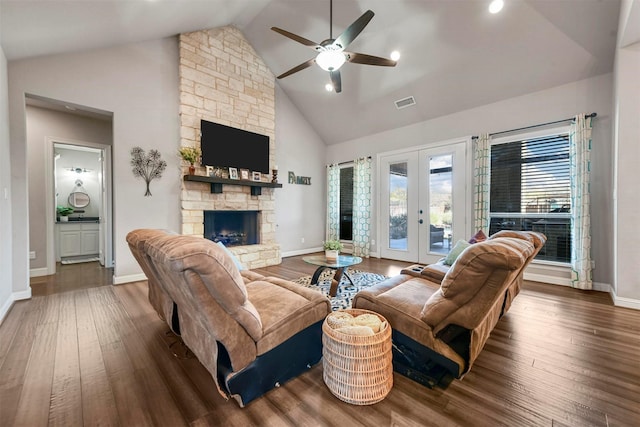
436	272
251	332
439	328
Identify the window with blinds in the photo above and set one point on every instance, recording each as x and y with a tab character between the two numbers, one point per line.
530	190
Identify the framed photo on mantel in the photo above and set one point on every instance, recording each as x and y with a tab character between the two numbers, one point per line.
244	174
233	173
256	176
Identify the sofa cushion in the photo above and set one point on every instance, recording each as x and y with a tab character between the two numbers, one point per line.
460	246
219	274
249	276
285	309
435	272
478	237
236	261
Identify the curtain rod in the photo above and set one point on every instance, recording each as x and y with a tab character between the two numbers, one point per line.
350	161
586	116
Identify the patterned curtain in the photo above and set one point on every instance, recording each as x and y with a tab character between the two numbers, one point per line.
580	171
481	183
333	202
361	207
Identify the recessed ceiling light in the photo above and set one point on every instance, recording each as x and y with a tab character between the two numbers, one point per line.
328	87
496	6
395	55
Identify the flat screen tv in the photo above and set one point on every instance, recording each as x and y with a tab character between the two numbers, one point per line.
224	146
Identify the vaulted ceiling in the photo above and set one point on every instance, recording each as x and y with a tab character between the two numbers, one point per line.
455	55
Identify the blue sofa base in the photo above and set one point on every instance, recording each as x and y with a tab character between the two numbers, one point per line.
272	369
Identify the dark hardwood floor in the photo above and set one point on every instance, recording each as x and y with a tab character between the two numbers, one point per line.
81	352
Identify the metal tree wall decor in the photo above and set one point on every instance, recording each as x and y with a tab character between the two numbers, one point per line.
148	166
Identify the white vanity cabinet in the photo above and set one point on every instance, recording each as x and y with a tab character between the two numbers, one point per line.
77	238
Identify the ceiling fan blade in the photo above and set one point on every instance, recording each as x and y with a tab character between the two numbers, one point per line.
336	81
297	38
361	58
353	30
298	68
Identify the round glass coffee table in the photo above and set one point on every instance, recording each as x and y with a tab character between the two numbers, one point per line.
340	265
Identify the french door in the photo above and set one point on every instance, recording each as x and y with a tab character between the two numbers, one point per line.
424	202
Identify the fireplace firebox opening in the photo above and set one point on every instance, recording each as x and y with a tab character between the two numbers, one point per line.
232	228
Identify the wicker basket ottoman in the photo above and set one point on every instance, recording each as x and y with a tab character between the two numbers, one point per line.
357	369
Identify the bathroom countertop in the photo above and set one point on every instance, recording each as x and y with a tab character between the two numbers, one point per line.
88	219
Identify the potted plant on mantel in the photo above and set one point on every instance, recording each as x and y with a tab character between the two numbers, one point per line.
64	212
190	155
331	249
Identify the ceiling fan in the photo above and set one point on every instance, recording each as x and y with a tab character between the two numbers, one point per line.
331	52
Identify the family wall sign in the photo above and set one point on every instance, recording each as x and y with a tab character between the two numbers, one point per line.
304	180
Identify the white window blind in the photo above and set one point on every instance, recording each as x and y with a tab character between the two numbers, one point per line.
530	190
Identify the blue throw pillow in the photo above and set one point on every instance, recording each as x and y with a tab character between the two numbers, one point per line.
239	266
460	246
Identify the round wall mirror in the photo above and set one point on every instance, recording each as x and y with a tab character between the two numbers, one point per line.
79	199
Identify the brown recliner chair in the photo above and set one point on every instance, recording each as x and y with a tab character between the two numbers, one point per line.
251	335
438	330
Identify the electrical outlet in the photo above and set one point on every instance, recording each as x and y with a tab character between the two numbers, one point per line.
302	240
373	241
32	255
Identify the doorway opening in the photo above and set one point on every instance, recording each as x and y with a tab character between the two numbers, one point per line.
70	186
424	201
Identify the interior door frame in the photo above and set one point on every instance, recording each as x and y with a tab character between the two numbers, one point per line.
414	150
106	221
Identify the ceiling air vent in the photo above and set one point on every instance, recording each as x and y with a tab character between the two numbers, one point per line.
405	102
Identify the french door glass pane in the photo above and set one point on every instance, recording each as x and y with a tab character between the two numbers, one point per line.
398	204
441	198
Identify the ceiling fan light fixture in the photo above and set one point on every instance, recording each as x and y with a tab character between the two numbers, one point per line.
330	60
395	55
328	87
496	6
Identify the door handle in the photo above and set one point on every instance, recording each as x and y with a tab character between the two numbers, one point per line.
420	221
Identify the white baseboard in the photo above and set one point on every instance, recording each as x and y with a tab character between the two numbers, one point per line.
39	272
5	309
543	278
15	296
119	280
26	294
625	302
301	252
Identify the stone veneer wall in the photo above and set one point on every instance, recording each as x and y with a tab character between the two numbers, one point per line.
223	80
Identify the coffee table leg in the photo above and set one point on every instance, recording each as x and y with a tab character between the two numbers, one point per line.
336	281
316	275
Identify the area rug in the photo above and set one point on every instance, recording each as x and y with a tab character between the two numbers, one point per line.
346	291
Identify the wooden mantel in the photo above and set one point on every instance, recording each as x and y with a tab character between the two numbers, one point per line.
217	183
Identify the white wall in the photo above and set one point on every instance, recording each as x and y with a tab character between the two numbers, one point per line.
43	123
6	257
585	96
300	209
627	142
138	83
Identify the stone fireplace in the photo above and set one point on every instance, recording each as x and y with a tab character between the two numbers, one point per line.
223	80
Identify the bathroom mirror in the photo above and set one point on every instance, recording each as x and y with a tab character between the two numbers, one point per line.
78	199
